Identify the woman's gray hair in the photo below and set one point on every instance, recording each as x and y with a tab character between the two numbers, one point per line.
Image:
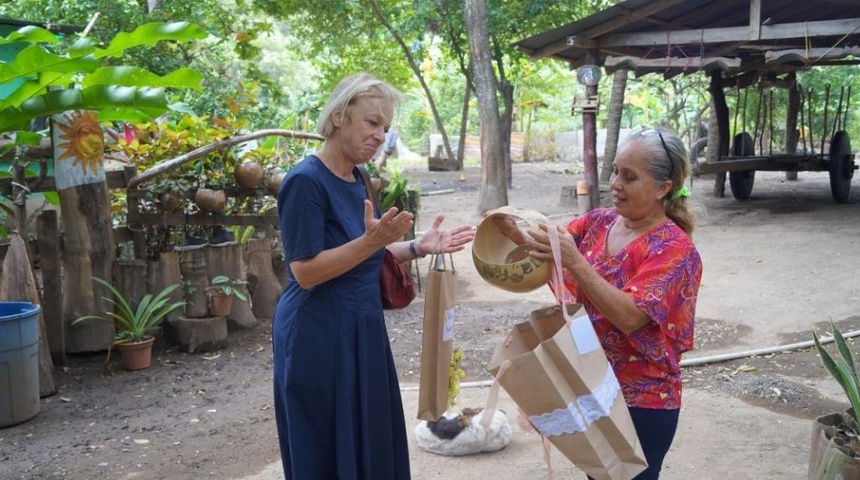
666	151
668	161
347	92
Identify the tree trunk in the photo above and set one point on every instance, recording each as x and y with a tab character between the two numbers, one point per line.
613	124
464	124
792	135
720	130
417	71
493	192
87	238
507	127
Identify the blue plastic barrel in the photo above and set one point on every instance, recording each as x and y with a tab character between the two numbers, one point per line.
19	362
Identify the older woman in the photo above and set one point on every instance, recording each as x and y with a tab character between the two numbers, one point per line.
337	398
636	271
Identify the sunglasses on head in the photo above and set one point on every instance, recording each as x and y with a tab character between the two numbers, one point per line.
668	155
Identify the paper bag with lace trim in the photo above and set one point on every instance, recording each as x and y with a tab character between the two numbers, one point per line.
557	373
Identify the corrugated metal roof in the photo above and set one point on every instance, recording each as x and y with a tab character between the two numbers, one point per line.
688	32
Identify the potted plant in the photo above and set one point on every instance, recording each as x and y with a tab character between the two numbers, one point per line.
134	324
835	450
221	291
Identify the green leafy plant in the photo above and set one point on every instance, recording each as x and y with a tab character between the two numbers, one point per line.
242	233
228	286
48	83
842	368
397	191
135	323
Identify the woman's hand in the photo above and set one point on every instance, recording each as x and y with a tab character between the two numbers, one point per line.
444	241
541	248
392	226
507	224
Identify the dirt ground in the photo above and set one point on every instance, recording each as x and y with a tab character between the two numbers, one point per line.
776	267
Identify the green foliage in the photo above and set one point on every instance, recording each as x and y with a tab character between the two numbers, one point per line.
396	191
115	92
242	233
842	369
135	323
228	286
455	375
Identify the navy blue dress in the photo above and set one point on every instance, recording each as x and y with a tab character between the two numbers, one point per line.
337	399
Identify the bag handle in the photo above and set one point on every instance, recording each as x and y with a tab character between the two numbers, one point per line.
557	273
439	258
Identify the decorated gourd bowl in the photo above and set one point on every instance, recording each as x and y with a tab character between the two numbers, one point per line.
503	263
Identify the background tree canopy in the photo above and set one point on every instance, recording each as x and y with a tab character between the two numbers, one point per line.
284	56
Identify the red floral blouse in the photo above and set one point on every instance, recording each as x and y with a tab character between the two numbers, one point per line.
661	270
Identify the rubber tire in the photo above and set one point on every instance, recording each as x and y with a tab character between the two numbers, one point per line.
841	167
742	182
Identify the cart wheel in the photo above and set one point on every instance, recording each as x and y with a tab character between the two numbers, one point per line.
742	182
841	166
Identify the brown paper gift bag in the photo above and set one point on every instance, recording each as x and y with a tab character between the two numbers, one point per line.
437	338
557	373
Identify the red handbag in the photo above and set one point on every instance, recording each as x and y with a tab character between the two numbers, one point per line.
395	281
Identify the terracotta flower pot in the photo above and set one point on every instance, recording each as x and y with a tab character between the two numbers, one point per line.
248	174
211	201
136	355
220	303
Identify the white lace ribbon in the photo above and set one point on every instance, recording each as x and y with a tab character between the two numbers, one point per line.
580	412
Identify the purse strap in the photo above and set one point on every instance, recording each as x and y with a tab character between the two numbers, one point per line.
368	186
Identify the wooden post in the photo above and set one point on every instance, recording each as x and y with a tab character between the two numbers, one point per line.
48	240
791	133
721	109
589	139
88	237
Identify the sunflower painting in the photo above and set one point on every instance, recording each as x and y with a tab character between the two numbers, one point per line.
78	137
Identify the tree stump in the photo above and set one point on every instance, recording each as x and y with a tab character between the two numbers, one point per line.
129	278
50	262
164	272
265	286
192	264
227	259
279	264
19	285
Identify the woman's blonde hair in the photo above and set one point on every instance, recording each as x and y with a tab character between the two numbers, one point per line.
347	92
668	158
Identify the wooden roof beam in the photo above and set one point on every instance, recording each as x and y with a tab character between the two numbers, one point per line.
721	35
690	63
810	56
755	20
626	18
